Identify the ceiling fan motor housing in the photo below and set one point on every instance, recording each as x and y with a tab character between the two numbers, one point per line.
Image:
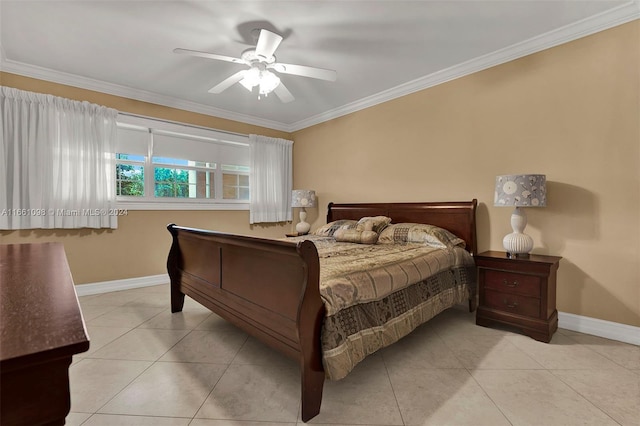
251	57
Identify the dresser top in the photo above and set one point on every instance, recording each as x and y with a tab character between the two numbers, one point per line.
39	311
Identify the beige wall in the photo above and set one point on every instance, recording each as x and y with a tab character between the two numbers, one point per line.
571	112
140	245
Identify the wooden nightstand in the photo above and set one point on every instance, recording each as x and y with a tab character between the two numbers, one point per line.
519	292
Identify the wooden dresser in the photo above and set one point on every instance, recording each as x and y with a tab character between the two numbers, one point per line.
41	328
519	292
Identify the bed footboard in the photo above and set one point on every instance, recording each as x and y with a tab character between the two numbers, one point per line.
268	288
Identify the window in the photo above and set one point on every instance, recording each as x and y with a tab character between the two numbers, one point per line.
235	182
162	165
183	178
129	175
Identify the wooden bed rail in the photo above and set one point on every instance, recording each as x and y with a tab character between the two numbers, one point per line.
268	288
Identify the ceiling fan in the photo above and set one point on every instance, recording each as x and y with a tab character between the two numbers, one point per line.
262	62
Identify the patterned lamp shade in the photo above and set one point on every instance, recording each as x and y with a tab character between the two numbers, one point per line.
521	191
303	198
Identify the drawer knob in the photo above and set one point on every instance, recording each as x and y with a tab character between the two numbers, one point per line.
510	284
510	305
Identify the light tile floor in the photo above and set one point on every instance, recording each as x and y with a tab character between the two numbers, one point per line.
147	366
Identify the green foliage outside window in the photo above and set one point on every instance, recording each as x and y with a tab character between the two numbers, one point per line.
171	182
130	180
183	183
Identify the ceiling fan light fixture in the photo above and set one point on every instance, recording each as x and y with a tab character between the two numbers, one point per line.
251	78
268	82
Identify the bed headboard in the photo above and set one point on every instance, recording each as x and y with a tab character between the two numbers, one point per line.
458	217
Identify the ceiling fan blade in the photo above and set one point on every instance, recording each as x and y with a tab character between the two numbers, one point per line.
267	44
209	55
283	93
305	71
228	82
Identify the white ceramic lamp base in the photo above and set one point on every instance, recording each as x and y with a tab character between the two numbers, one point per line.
518	243
303	227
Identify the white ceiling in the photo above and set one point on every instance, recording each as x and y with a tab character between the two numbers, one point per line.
380	49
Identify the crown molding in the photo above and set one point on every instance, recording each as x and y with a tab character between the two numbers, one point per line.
622	14
41	73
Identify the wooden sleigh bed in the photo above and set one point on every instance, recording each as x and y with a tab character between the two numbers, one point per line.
271	288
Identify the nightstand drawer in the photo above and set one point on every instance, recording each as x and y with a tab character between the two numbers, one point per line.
526	285
516	304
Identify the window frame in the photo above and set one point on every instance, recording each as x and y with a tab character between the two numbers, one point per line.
150	202
238	187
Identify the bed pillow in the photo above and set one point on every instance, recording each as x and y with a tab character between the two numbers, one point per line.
373	223
431	235
330	228
355	236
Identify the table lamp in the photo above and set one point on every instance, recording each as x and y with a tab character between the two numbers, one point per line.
520	191
303	198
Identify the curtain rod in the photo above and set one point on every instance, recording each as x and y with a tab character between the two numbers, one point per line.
180	123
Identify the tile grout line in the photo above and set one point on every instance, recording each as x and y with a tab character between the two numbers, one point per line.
581	395
217	381
395	397
132	380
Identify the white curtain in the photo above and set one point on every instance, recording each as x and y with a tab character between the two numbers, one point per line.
57	162
271	179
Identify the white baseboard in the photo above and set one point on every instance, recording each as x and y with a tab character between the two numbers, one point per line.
597	327
125	284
